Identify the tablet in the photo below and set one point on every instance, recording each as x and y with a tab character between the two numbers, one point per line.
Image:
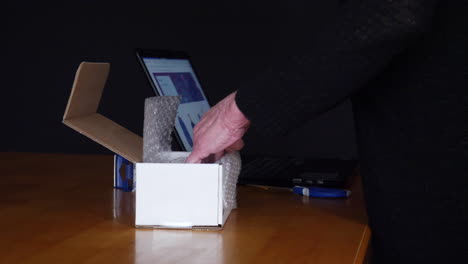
171	74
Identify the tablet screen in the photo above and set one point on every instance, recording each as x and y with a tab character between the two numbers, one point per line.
175	77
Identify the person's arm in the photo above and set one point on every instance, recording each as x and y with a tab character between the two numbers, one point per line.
310	76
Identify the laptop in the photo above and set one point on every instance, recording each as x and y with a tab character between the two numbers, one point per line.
171	73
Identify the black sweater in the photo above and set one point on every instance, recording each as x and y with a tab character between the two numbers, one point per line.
404	64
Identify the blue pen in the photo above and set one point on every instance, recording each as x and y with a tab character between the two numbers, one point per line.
321	192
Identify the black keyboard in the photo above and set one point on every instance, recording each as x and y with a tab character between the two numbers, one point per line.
288	172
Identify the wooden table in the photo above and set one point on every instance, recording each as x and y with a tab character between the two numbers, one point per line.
62	209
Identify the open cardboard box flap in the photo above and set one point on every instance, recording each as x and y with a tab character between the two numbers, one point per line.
81	113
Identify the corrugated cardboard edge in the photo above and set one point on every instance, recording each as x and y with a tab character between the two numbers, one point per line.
220	195
81	113
197	228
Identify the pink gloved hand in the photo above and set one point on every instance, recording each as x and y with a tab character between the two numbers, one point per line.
220	129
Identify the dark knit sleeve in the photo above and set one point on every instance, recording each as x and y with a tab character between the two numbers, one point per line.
312	75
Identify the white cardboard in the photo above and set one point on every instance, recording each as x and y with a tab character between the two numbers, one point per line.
177	195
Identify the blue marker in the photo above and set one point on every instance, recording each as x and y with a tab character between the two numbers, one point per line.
321	192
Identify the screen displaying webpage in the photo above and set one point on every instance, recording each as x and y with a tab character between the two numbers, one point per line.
175	77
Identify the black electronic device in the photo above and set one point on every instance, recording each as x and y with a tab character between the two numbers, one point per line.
292	171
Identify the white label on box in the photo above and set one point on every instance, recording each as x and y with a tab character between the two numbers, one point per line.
177	195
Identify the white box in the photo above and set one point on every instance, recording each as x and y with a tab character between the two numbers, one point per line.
168	195
179	195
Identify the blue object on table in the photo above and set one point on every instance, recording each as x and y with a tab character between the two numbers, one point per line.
123	182
321	192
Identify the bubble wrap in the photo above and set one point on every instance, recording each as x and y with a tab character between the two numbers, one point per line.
160	115
231	169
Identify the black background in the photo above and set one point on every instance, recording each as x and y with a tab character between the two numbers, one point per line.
229	43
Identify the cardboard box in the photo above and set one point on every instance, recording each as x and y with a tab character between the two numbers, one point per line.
168	195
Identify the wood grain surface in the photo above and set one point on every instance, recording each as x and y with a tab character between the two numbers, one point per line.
57	208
